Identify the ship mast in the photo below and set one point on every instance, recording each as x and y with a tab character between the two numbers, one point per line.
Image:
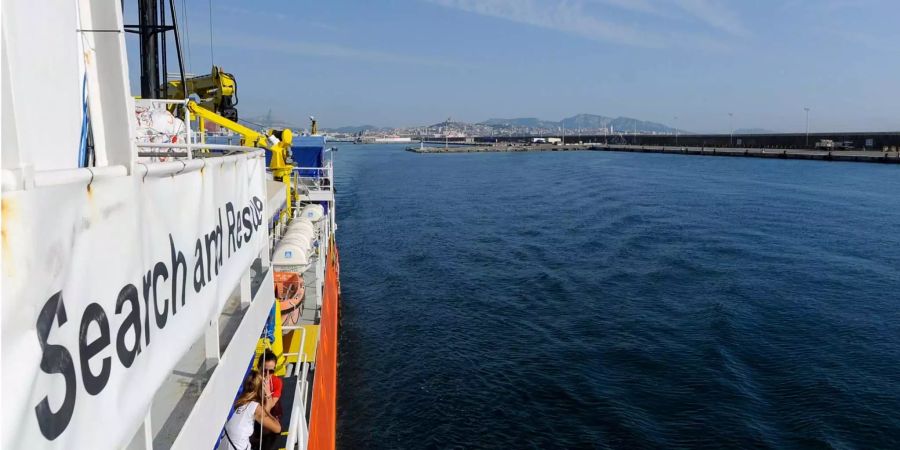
152	28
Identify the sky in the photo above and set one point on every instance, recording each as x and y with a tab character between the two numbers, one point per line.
685	63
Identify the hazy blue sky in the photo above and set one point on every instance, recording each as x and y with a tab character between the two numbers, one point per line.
413	62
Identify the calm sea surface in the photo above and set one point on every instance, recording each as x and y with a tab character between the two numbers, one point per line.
615	300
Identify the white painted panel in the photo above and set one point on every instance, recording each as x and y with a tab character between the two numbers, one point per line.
45	78
83	260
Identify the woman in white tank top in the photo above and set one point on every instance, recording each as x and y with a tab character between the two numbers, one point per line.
246	414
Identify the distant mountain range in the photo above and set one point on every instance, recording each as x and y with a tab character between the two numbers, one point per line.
584	122
578	122
521	122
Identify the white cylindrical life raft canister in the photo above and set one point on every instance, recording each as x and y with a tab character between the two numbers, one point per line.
313	212
293	250
297	232
300	223
290	257
300	241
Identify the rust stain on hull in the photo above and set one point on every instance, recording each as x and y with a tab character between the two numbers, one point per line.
9	214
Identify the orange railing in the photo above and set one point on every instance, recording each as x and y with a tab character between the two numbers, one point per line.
324	405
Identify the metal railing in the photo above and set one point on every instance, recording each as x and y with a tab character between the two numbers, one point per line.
310	179
154	104
313	178
194	140
298	429
14	180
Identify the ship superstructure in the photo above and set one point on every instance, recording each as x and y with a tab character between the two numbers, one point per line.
147	264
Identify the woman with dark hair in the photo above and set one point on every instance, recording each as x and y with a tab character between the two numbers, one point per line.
271	387
272	384
246	413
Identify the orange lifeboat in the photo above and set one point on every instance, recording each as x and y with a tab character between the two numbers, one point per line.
289	292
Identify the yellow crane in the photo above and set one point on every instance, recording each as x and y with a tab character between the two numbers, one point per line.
278	142
217	92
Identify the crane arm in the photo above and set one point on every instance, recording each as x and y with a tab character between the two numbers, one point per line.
249	136
280	146
277	142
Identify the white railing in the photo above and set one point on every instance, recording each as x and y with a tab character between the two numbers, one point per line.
189	149
313	178
154	103
194	139
14	180
298	429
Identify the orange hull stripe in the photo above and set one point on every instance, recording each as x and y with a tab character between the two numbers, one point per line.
324	405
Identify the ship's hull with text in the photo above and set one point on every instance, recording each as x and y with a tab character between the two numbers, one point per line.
154	247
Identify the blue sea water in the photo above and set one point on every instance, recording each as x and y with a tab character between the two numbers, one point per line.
616	300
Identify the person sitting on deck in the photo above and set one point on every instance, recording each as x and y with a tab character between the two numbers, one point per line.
240	426
271	385
271	382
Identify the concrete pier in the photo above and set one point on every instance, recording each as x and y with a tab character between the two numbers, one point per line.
892	157
821	155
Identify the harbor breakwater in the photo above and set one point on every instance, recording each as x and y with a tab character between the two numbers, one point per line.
890	157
